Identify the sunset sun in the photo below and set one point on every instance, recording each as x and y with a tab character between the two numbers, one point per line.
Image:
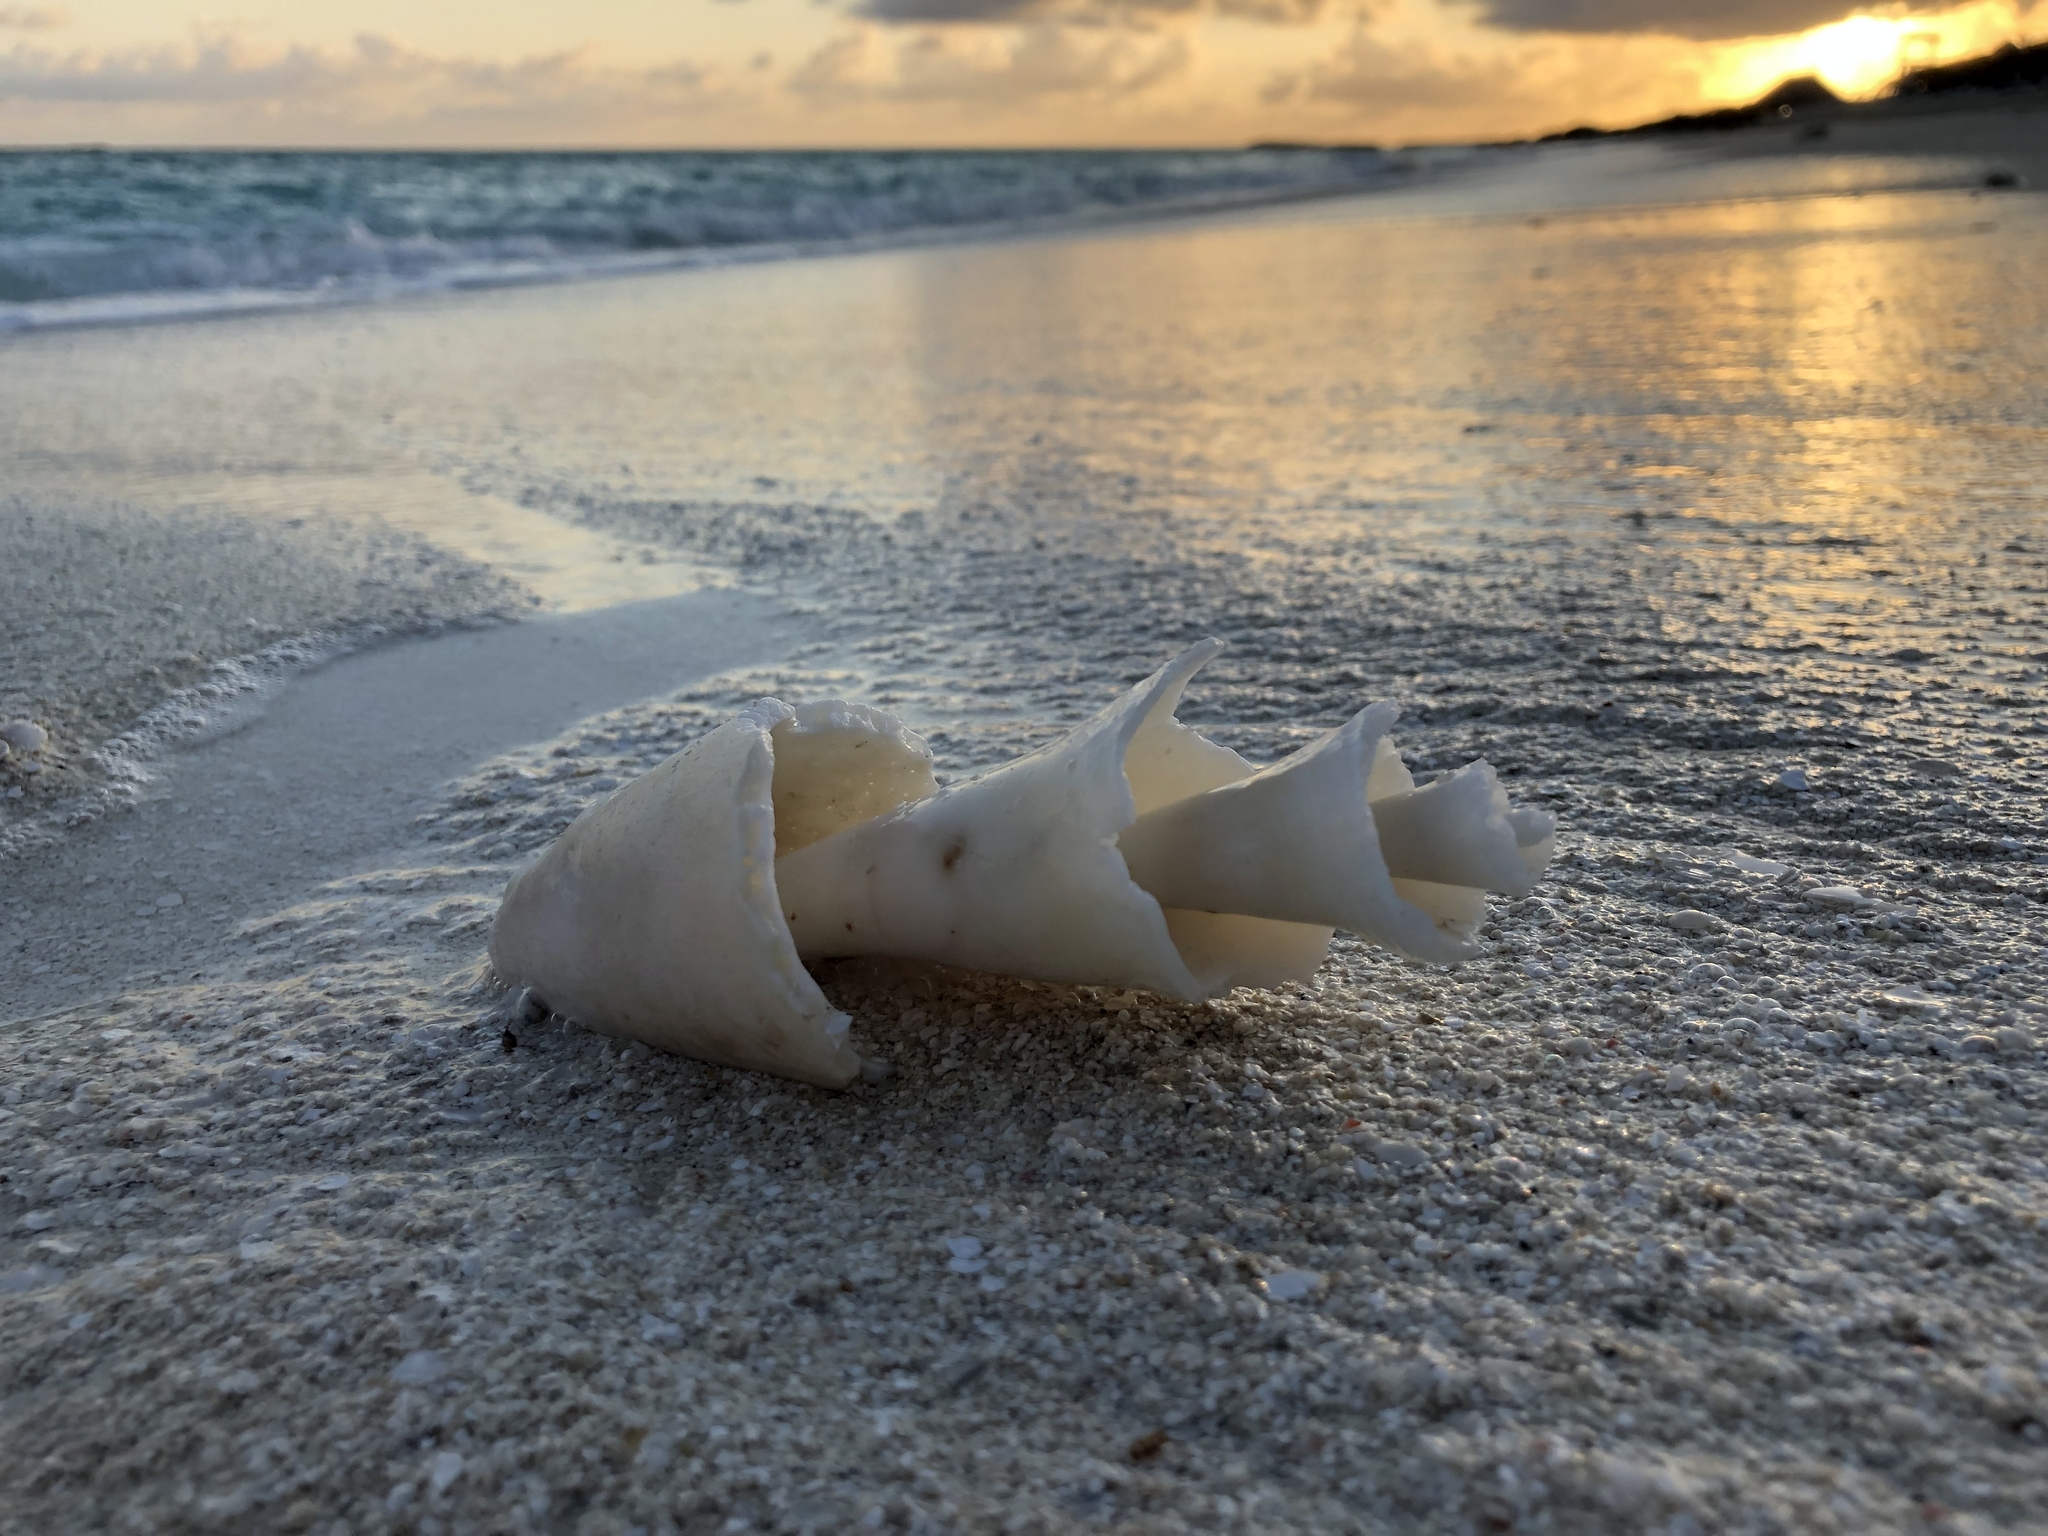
1855	57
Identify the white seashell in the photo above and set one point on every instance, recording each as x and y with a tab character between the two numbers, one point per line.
654	915
1132	852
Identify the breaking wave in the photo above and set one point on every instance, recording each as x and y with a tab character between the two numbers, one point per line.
102	236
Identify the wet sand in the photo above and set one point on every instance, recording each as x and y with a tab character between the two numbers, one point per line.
111	608
1995	139
1709	1200
331	774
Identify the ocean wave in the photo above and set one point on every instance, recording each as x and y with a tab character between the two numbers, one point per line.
105	236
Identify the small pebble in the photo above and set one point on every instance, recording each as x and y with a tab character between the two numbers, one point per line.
1398	1154
1840	898
1937	768
24	736
419	1368
443	1471
1292	1284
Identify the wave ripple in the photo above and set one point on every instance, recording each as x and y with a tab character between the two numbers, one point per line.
101	236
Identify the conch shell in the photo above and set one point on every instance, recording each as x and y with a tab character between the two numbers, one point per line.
1131	852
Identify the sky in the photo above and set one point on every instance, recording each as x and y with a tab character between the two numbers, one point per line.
927	73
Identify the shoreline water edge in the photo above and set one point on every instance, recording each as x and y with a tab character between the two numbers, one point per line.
111	237
1710	1198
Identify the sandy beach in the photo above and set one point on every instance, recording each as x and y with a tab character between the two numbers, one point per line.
1713	512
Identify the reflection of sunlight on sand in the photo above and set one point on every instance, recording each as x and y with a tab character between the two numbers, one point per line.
571	568
1767	432
1843	305
1764	423
1687	172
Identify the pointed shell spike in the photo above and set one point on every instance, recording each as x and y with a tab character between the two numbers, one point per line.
1295	842
1015	872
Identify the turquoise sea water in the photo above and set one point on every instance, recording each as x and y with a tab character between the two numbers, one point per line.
138	234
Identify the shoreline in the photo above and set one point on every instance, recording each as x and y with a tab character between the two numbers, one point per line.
1917	129
323	568
158	307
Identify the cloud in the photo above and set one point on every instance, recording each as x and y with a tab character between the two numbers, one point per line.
1365	72
1040	62
1410	89
1099	13
378	90
1042	81
22	18
1701	20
